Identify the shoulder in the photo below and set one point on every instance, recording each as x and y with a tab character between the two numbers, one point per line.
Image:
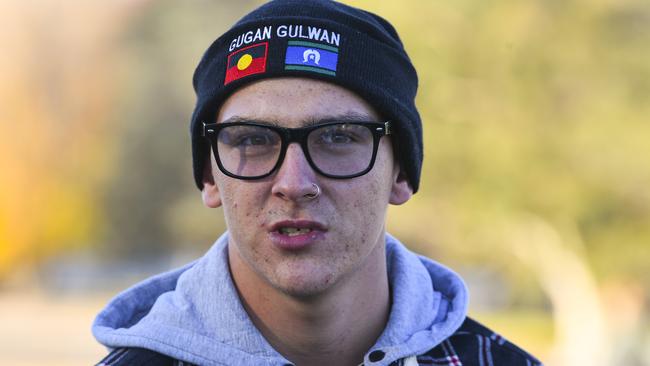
138	357
475	344
472	344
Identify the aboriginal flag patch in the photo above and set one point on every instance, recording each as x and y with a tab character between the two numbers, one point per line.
309	56
247	61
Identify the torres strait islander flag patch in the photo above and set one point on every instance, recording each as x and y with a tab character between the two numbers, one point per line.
310	56
247	61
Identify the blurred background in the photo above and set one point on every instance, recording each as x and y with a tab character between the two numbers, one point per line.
535	184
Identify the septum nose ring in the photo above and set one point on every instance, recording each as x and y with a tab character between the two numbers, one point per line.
315	194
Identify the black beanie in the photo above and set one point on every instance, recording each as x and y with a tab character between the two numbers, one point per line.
319	39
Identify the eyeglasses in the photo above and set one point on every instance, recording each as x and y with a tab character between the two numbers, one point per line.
249	150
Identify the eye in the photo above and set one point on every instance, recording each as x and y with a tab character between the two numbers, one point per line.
253	140
337	138
248	136
339	134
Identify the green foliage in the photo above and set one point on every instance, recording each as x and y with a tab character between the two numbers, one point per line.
536	107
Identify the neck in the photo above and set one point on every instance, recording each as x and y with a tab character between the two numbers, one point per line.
336	327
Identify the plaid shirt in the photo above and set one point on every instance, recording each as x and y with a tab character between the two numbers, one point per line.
471	345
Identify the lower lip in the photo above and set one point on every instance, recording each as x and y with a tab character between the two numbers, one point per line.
296	242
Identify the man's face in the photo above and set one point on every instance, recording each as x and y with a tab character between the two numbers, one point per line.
346	221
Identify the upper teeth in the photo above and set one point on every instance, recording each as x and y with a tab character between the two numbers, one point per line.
292	231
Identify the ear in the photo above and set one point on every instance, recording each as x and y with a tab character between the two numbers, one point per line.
210	191
401	190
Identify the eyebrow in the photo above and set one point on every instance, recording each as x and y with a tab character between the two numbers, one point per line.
345	117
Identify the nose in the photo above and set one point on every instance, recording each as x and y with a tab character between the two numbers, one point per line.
295	179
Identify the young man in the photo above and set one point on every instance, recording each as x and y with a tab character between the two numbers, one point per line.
305	129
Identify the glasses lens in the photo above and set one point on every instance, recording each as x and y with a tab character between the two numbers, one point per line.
248	151
341	149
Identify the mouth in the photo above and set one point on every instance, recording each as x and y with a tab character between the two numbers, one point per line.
294	231
296	234
297	227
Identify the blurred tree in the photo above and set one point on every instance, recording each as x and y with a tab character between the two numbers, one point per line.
152	203
56	87
535	109
531	108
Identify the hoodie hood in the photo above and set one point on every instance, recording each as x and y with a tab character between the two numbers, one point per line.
194	314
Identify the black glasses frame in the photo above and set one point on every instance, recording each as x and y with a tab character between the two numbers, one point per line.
297	135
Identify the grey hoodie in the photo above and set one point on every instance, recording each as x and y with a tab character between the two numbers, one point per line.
194	314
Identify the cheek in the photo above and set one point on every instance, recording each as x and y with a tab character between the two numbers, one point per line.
371	199
362	207
241	207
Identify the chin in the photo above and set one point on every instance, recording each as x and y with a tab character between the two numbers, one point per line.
304	284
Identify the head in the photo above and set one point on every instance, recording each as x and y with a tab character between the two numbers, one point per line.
343	222
356	49
294	64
